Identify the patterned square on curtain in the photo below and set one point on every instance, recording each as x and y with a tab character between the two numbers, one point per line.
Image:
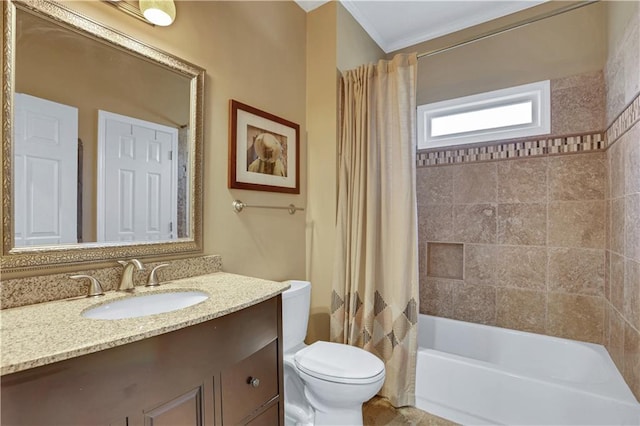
375	283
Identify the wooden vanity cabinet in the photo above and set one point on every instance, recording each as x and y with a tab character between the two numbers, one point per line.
226	371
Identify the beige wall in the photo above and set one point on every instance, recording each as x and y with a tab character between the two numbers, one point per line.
568	44
334	41
322	127
622	285
253	52
355	47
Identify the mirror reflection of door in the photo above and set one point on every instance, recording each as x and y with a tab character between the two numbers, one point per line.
45	172
137	175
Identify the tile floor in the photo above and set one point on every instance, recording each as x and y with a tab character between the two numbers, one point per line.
379	412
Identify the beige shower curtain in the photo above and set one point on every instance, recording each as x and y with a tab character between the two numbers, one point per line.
375	284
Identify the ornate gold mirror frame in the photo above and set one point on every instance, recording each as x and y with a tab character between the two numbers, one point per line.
34	258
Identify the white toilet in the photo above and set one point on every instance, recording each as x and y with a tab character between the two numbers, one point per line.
324	383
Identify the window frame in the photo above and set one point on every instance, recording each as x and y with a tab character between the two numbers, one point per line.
538	93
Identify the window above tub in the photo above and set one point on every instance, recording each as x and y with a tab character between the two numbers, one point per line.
515	112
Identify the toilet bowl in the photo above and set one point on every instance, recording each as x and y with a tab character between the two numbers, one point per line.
325	383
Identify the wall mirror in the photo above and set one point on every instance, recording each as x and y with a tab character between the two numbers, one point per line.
102	143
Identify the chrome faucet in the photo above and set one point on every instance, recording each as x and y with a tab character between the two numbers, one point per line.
126	282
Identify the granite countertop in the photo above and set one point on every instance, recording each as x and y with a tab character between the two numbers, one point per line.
45	333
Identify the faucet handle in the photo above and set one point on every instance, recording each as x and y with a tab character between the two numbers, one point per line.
95	289
134	262
152	281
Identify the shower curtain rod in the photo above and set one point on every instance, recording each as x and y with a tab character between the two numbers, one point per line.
510	27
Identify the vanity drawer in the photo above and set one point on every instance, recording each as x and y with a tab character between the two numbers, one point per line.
249	384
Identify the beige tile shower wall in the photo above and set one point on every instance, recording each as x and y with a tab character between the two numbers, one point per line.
622	329
622	239
532	230
533	237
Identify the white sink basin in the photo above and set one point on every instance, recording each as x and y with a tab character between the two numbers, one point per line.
149	304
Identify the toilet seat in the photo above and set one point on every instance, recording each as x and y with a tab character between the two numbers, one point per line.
340	363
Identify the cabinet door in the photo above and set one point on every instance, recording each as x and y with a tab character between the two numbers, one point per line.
270	417
184	410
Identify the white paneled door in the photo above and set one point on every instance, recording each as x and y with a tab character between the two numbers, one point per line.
45	172
137	175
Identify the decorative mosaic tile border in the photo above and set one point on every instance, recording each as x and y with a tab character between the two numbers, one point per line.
626	120
509	150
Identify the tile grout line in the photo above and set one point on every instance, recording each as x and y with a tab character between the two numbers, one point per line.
546	295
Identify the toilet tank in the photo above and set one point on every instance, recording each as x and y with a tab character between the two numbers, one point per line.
295	313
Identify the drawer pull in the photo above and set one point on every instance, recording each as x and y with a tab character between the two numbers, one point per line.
253	381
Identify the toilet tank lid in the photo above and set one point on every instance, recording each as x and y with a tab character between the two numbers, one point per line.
296	288
338	361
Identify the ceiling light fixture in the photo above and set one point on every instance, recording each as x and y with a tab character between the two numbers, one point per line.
158	12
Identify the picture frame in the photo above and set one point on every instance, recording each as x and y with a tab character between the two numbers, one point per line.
264	150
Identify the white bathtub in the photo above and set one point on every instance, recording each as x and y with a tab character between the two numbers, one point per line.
476	374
